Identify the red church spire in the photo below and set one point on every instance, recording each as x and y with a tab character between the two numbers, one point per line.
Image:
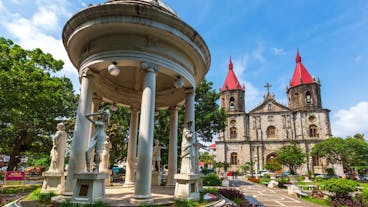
301	75
231	81
230	64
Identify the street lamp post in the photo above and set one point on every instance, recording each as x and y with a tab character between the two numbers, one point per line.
256	163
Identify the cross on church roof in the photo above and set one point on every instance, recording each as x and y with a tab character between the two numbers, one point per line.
268	86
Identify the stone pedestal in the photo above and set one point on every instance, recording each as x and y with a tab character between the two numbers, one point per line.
89	188
225	182
187	187
293	189
108	177
53	182
156	178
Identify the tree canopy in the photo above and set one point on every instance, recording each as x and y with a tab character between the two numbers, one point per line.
291	156
30	100
350	152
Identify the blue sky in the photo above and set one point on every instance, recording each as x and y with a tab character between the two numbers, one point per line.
260	36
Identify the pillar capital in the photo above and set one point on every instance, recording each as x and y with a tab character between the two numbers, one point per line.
96	99
176	108
189	90
85	72
150	67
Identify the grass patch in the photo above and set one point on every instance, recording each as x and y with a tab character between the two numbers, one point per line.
18	189
97	204
364	185
318	201
186	203
36	195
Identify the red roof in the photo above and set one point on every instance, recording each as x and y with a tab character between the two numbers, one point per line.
231	81
212	146
301	75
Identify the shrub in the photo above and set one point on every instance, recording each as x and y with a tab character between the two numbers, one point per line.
330	171
264	180
211	180
300	178
273	166
365	196
319	179
347	201
36	195
340	186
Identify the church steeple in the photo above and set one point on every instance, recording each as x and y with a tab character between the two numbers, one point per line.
231	81
301	74
304	92
232	92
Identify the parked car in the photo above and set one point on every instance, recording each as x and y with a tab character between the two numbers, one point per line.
263	173
365	177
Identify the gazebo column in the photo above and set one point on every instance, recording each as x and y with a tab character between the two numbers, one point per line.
189	117
132	148
173	143
145	141
77	161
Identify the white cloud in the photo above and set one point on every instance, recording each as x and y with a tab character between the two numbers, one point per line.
257	54
358	58
278	51
347	122
1	5
35	33
252	95
46	19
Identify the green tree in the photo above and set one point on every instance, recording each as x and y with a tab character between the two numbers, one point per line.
210	119
30	100
207	158
350	152
291	156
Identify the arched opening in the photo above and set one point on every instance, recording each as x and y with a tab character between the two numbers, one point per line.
234	158
232	104
316	161
313	131
233	132
271	157
271	132
308	97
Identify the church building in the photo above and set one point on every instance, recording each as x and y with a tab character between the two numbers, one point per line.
257	135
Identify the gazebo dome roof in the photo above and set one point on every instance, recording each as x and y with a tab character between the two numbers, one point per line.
155	3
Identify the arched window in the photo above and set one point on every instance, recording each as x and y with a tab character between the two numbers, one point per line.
313	131
232	105
316	161
308	98
234	158
233	132
271	132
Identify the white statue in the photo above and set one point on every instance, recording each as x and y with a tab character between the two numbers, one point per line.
156	155
98	139
187	151
58	149
105	155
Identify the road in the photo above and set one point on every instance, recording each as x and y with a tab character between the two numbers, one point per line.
269	197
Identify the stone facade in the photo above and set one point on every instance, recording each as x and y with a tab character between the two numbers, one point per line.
257	135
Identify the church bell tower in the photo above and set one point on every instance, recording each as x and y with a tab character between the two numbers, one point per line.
304	91
232	93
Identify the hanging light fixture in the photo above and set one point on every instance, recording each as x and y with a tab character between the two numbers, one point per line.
113	107
113	69
179	83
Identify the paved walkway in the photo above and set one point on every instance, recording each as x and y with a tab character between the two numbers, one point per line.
271	197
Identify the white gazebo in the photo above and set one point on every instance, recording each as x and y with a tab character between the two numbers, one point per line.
140	54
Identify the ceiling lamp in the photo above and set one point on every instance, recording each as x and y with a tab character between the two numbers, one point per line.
113	69
179	83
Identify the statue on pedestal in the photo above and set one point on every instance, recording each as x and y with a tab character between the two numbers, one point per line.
105	155
98	139
187	150
58	149
156	155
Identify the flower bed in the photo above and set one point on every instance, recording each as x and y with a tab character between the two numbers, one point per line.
236	196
